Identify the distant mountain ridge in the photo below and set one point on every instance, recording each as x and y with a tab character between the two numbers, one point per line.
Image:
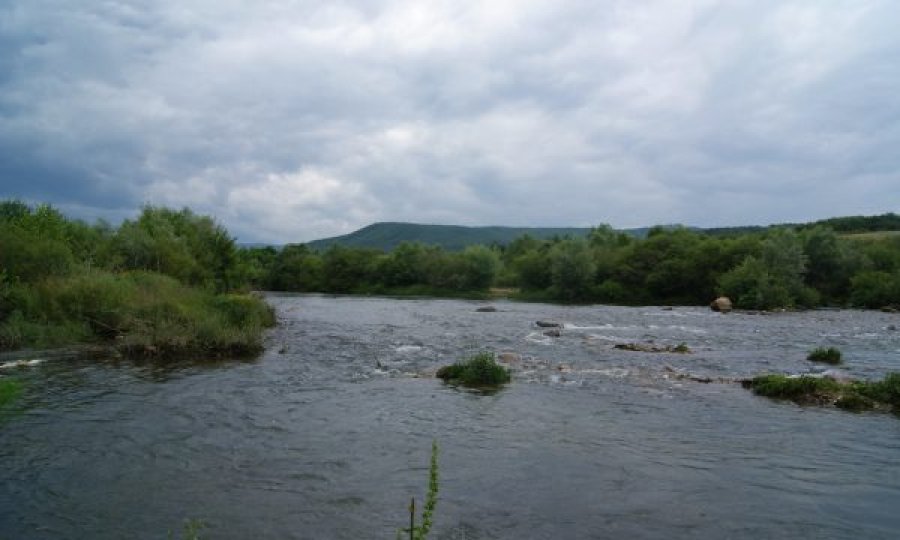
388	235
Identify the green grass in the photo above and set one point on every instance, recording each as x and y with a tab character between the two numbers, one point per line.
137	313
826	356
798	389
9	391
479	370
886	390
854	396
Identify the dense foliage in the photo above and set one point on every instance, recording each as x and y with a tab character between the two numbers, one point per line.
780	267
163	282
410	269
478	370
824	355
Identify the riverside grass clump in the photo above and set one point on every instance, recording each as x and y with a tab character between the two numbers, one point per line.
480	370
822	355
854	395
136	312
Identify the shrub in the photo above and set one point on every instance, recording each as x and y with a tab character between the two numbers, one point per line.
826	356
478	370
141	312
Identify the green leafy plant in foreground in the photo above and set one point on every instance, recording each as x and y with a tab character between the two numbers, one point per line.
191	530
421	532
9	391
830	355
478	370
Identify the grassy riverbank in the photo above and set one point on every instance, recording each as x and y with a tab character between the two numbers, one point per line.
136	312
169	282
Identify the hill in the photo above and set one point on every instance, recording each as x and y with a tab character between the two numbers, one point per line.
387	236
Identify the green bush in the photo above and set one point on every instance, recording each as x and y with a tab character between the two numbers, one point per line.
826	356
138	312
477	370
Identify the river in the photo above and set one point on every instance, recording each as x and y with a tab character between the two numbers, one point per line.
327	434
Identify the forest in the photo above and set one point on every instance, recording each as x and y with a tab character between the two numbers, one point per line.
800	266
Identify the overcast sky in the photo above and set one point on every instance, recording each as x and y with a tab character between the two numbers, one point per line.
296	120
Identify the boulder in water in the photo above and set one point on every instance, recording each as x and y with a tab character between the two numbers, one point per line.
553	332
548	324
721	304
486	309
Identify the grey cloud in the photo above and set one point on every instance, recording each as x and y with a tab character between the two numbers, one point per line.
294	120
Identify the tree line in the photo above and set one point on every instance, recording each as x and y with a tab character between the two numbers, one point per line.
780	267
789	266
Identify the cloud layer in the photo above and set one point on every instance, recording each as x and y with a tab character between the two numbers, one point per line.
292	120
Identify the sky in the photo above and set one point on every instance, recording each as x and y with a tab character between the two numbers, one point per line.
292	120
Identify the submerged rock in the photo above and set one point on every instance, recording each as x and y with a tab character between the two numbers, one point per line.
509	358
486	309
681	348
548	324
553	332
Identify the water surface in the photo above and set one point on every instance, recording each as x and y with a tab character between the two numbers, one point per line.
327	434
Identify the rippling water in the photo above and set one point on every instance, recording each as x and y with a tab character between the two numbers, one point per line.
327	434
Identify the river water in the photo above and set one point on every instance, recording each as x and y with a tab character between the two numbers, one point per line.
327	434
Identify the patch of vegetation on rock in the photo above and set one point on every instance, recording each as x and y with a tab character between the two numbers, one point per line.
479	370
853	396
830	355
681	348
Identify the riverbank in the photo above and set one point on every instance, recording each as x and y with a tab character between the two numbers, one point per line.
134	313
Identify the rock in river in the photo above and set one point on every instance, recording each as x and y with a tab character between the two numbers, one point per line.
548	324
721	304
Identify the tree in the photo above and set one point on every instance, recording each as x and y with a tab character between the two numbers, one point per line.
572	269
347	269
479	266
405	265
296	268
194	249
774	279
